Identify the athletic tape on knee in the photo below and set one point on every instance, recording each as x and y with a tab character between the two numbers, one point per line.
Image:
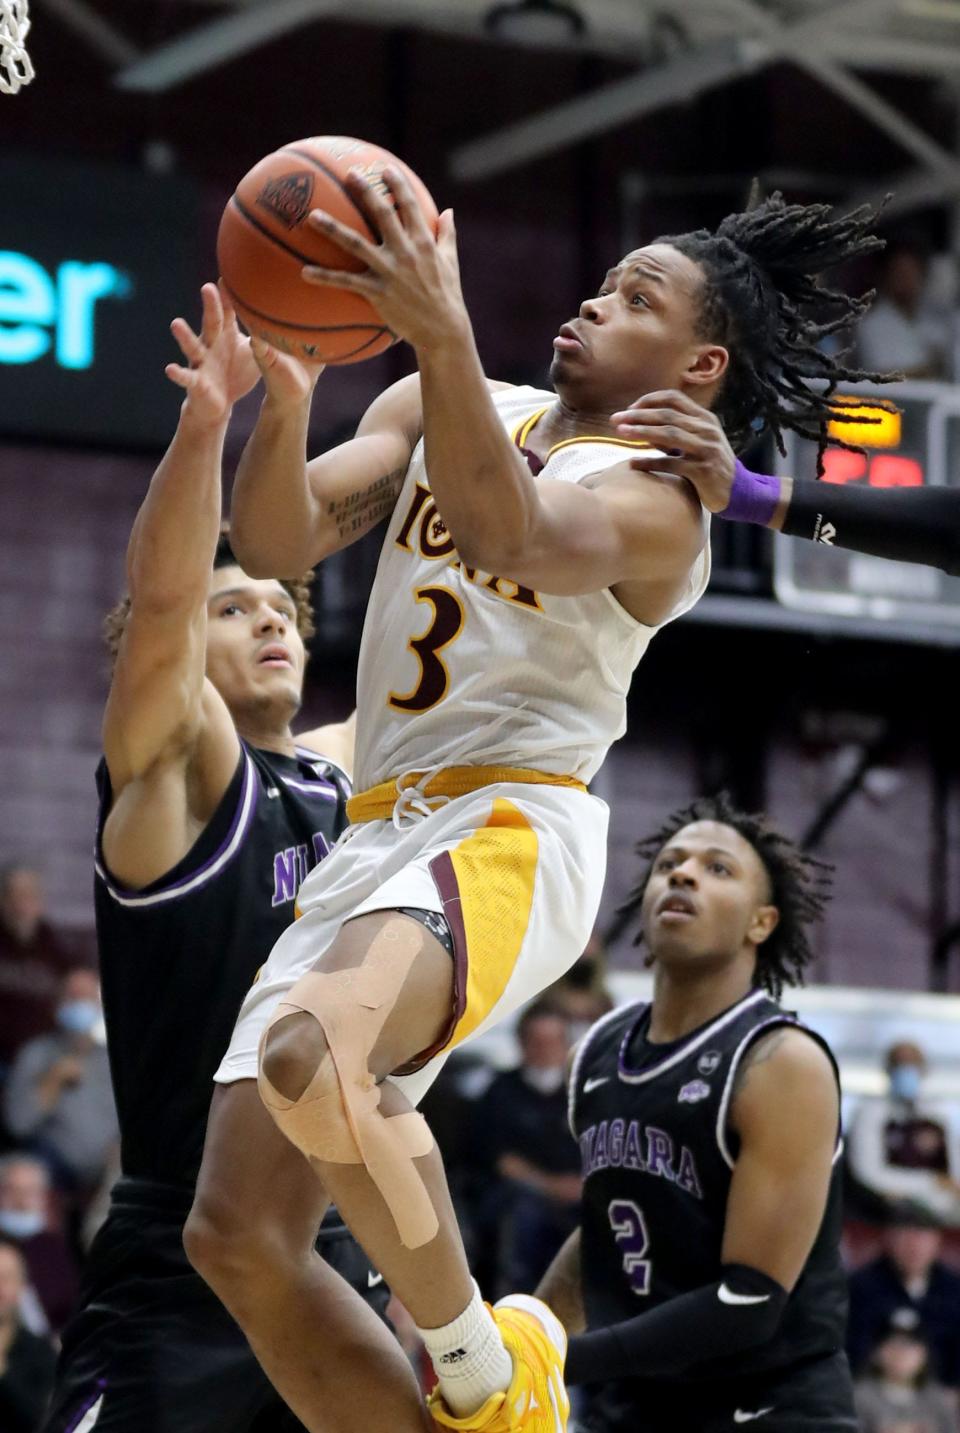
352	1006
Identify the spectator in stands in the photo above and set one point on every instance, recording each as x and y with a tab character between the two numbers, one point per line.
33	961
902	331
581	995
908	1277
525	1145
898	1392
58	1099
25	1221
27	1362
903	1148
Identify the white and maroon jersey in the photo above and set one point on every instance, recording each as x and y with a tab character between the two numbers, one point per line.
463	667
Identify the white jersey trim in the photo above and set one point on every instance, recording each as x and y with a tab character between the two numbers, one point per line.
322	788
91	1417
640	1077
580	1055
784	1021
207	872
700	568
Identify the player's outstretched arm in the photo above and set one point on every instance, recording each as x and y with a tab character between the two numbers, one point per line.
776	1203
288	514
561	1288
907	524
155	710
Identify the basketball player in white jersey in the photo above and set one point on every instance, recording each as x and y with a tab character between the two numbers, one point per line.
524	571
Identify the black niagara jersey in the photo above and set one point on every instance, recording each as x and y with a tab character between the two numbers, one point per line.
152	1349
657	1158
178	956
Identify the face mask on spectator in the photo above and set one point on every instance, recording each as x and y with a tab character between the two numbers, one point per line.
546	1081
905	1082
21	1223
78	1017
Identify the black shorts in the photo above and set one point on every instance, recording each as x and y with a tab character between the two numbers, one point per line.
151	1348
815	1396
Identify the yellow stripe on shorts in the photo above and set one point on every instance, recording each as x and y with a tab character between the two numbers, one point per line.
495	870
377	802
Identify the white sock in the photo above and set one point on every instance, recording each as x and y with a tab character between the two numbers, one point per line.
469	1357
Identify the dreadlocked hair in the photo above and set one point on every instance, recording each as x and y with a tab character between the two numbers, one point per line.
762	300
115	622
799	886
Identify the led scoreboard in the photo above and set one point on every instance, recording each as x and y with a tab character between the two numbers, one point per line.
916	447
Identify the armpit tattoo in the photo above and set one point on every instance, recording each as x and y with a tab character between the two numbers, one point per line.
361	510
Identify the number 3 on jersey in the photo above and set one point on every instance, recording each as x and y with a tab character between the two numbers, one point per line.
630	1232
445	627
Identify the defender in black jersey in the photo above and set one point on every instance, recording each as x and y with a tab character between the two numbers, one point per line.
210	815
706	1270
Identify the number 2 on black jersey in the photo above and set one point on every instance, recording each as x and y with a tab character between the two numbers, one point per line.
630	1232
445	627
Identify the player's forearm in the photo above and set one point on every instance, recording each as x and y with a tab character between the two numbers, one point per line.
480	482
906	524
741	1312
273	512
174	538
561	1287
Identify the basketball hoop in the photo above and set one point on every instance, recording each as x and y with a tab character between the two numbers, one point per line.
16	67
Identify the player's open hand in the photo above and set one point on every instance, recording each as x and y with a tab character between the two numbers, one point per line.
690	435
288	381
412	277
220	368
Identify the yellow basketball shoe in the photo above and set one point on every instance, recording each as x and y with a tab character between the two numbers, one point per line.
536	1401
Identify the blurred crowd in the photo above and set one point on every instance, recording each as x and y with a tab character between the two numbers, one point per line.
910	326
58	1137
512	1164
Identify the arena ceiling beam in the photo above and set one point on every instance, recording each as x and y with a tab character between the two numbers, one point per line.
219	40
602	109
97	33
893	54
764	41
883	115
914	189
939	171
612	27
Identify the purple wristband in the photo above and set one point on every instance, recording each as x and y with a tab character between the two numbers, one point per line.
753	497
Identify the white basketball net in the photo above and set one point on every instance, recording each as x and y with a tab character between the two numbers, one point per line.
16	67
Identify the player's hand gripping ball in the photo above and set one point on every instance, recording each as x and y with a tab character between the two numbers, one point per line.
265	241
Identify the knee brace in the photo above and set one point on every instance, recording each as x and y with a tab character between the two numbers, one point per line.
337	1119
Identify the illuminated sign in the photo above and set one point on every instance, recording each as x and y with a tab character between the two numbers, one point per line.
821	577
38	309
883	430
95	260
881	470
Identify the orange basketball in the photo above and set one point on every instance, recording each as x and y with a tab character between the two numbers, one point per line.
264	241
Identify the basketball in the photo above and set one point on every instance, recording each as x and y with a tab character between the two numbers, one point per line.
265	239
